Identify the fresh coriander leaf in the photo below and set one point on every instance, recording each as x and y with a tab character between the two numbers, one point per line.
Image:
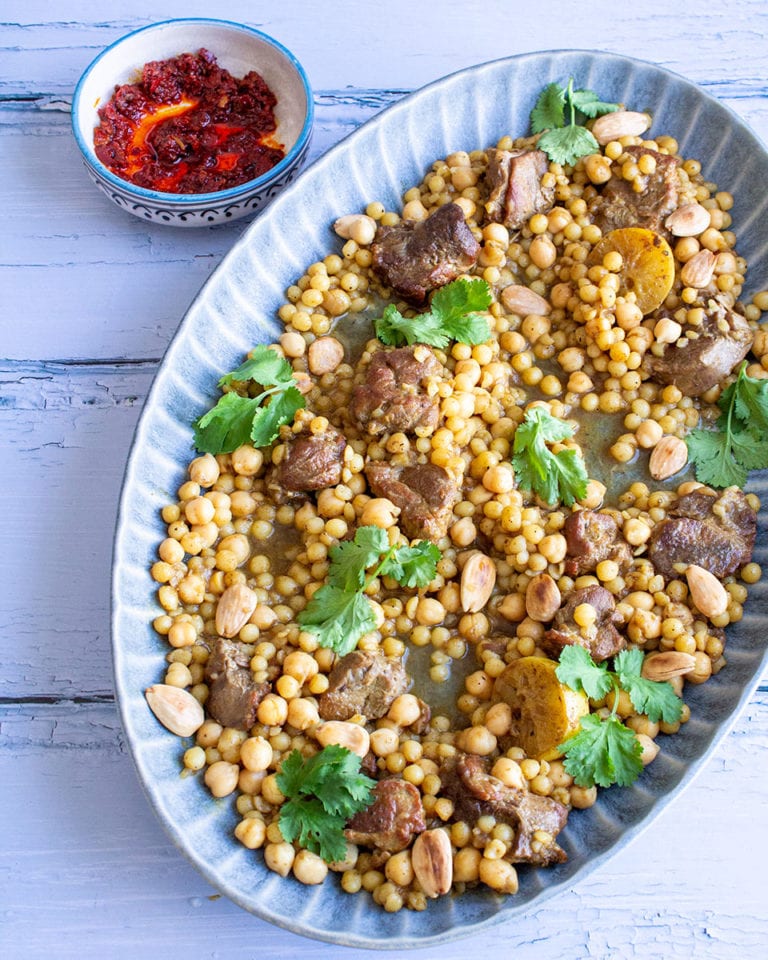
338	618
568	144
579	671
351	558
749	448
461	297
226	426
342	788
750	400
322	793
549	111
236	420
738	444
603	752
265	366
628	663
412	566
551	476
304	820
268	419
452	316
590	104
710	452
656	698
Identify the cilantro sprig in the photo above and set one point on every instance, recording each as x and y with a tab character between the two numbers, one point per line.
236	419
739	443
565	143
554	477
604	750
339	613
452	315
324	792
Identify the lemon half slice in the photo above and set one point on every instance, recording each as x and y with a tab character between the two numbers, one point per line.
545	712
648	268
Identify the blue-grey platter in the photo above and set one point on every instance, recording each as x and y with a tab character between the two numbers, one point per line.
237	309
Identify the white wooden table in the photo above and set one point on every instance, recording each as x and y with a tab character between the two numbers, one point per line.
90	299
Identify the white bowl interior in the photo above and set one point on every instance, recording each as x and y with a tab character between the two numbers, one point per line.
236	50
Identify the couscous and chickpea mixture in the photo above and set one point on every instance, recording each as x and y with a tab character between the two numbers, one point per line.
445	563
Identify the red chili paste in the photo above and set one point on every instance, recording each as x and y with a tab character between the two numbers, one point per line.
189	126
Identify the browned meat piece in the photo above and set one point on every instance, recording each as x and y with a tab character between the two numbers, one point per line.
234	697
476	793
364	683
514	181
696	365
392	820
415	257
620	206
311	462
425	494
602	639
592	537
715	531
392	398
421	725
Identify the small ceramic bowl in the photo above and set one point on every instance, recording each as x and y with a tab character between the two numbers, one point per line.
237	48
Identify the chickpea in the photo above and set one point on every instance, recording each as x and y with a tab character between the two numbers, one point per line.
309	868
256	754
251	832
404	710
221	778
279	857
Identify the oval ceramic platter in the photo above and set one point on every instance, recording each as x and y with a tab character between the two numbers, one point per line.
237	309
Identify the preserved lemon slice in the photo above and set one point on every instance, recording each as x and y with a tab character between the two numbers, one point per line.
545	712
648	265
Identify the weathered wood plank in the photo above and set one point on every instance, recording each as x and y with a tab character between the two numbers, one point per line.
370	51
85	845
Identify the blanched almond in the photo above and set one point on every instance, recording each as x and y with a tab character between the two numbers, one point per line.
478	579
542	598
689	220
524	301
234	610
324	355
668	457
622	123
697	272
709	595
350	735
356	226
175	708
432	860
667	664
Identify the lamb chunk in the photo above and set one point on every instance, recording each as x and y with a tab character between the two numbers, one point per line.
696	365
392	820
514	180
714	531
233	696
415	257
476	793
311	462
392	399
592	537
620	206
602	639
362	683
425	494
